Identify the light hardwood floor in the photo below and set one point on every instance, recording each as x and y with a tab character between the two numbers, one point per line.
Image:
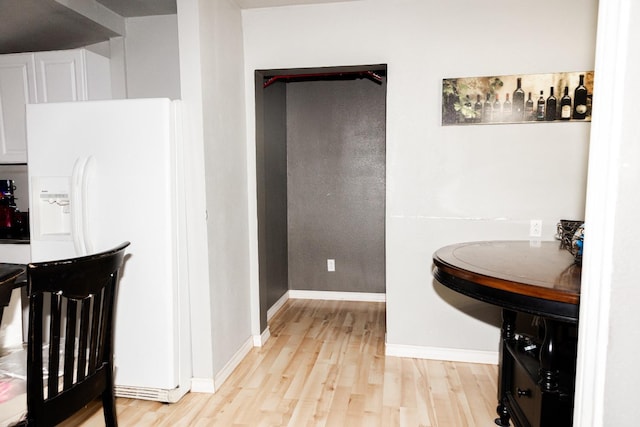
324	365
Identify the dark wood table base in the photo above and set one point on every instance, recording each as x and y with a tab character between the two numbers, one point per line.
537	285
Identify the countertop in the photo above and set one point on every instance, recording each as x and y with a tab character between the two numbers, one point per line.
13	241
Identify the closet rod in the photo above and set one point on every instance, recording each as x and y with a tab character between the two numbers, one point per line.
369	74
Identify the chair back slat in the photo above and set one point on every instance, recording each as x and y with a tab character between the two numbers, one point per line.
34	353
82	293
54	345
95	325
70	343
104	346
83	335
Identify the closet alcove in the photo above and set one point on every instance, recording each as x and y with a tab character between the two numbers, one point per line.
320	175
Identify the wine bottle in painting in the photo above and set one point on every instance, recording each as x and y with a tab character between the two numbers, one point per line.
551	106
449	101
497	109
478	109
518	102
487	111
528	109
467	110
507	109
580	100
540	109
565	105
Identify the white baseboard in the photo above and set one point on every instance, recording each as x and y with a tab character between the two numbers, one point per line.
202	385
232	364
439	353
260	340
277	306
338	296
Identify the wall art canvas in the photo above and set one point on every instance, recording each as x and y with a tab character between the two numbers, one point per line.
531	98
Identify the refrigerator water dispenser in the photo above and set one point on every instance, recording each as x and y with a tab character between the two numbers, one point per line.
51	206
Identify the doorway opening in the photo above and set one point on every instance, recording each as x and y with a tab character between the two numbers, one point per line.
321	180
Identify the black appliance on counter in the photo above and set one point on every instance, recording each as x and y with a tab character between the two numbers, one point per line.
13	223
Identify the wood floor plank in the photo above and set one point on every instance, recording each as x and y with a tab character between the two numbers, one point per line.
324	365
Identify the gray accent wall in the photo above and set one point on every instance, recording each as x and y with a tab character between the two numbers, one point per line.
275	176
271	192
336	185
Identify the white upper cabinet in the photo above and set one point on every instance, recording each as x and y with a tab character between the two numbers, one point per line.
17	88
72	75
56	76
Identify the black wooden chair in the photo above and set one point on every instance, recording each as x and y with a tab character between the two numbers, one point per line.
77	367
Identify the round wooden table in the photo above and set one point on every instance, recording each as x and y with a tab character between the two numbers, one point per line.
538	278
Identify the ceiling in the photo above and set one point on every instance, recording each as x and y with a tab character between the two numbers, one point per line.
36	25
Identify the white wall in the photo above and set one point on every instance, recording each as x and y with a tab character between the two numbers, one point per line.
444	184
211	62
151	52
200	288
609	338
226	176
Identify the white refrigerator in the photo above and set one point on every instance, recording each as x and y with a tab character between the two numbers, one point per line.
104	172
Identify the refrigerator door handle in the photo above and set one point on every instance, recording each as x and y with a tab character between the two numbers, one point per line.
79	205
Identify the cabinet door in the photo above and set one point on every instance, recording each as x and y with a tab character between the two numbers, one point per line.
61	76
17	88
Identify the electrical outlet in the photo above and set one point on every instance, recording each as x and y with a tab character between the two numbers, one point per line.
535	228
331	265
